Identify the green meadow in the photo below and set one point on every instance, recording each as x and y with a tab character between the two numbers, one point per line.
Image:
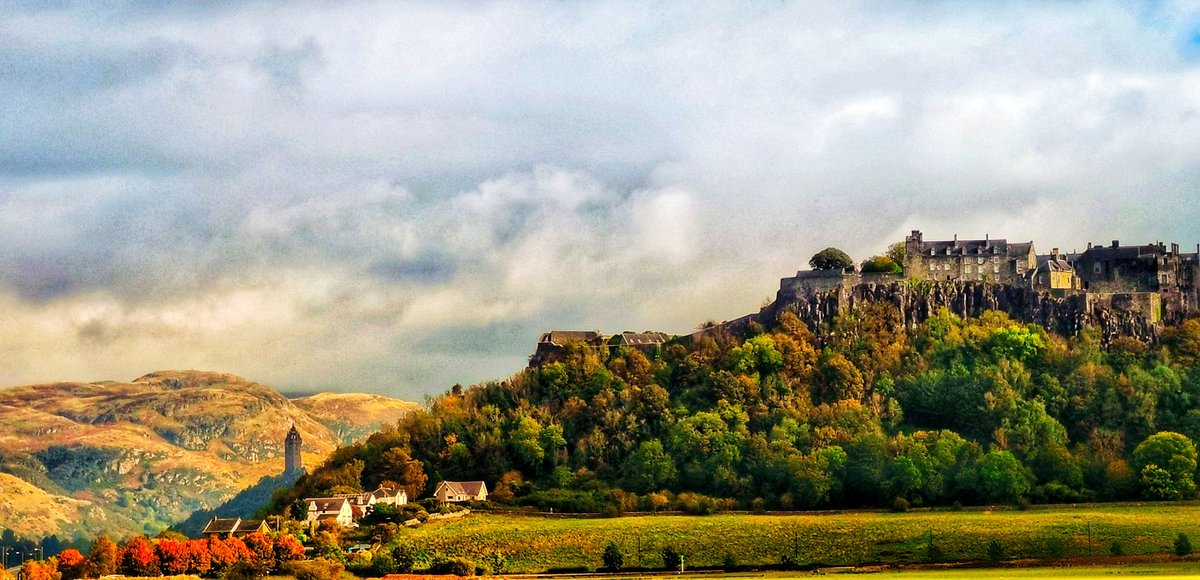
536	544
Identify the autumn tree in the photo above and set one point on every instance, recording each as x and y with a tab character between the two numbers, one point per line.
102	559
138	558
72	564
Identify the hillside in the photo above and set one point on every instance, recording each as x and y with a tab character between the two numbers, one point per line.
134	457
870	406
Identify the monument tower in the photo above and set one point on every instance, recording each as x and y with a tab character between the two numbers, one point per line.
291	451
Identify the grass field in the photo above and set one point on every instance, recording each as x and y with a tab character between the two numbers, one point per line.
534	544
1165	570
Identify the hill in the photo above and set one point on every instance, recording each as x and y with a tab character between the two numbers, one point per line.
869	406
135	457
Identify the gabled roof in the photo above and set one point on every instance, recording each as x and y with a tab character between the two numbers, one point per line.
988	247
641	338
250	526
328	504
222	526
465	487
1052	264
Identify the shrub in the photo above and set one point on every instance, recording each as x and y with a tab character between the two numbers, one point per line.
495	561
956	506
243	571
1183	545
995	551
934	553
696	504
455	566
1117	548
404	559
730	563
318	569
786	562
382	564
612	557
671	558
900	505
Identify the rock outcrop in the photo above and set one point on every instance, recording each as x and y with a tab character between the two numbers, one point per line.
916	301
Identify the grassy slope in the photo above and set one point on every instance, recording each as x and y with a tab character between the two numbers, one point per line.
535	544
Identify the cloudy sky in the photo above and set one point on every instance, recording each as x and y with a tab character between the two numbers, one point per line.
395	197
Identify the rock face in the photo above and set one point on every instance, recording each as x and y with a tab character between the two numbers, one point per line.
916	301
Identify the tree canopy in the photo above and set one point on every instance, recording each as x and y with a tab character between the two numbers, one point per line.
831	259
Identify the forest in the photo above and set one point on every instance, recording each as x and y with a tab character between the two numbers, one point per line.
865	413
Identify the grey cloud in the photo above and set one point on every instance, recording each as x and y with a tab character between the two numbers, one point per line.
427	269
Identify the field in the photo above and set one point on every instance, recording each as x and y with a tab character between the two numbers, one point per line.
535	544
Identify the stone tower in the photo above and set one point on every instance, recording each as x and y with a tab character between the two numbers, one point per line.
291	451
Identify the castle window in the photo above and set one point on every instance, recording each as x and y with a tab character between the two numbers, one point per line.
979	260
945	266
932	266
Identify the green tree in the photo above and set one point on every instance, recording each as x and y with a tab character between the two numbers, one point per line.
1166	462
831	259
1002	477
881	265
649	468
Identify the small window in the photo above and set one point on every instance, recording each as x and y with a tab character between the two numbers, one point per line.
932	266
995	259
995	268
945	266
1096	268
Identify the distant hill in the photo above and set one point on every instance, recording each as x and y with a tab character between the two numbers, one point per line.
81	458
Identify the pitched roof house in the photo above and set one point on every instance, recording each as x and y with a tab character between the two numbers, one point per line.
221	527
461	491
336	509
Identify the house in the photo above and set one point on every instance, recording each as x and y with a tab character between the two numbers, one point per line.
553	344
224	527
335	509
1055	273
460	491
389	496
987	260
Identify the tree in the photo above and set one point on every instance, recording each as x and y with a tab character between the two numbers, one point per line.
1183	545
397	466
612	557
831	259
174	557
881	265
1166	462
1002	477
102	559
40	570
649	468
71	564
138	558
288	548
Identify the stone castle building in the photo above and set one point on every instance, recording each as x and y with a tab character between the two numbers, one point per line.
985	260
292	460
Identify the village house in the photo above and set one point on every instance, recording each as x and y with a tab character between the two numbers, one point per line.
330	509
986	260
460	491
225	527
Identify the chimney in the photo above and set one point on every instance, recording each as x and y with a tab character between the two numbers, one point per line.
1054	253
1089	245
1174	249
1116	243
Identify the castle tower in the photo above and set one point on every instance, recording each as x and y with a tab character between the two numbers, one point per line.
291	451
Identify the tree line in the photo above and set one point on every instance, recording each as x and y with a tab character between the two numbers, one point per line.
867	413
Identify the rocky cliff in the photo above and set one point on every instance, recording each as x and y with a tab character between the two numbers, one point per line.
918	300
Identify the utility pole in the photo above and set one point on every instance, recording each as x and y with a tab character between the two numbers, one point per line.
1089	530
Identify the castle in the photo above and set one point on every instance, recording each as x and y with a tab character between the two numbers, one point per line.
1127	289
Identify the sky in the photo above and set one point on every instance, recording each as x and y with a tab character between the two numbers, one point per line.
395	197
